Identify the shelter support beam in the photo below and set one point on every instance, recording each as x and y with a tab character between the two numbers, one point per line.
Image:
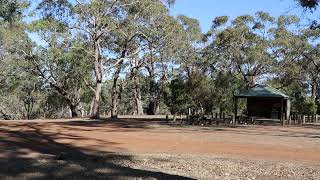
281	113
288	108
235	110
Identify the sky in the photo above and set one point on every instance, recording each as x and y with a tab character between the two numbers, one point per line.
206	10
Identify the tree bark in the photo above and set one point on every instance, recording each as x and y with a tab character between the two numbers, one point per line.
74	111
137	92
95	114
174	117
154	104
114	110
73	107
115	92
314	90
98	69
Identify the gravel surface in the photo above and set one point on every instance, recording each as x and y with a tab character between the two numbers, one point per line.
211	167
154	166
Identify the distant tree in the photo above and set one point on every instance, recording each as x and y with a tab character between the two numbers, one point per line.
15	46
198	88
62	72
177	97
244	46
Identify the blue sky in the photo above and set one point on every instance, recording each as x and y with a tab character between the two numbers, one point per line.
206	10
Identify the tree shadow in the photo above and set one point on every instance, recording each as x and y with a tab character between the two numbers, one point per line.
118	123
32	154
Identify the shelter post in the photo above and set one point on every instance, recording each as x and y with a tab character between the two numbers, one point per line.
288	107
235	110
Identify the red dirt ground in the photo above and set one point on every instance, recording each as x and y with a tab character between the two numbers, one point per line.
296	144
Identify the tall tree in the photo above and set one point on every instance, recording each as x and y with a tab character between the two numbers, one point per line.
244	46
15	46
148	26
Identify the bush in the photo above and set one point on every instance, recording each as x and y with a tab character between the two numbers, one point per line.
310	107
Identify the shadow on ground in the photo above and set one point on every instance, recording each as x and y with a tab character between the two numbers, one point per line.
32	154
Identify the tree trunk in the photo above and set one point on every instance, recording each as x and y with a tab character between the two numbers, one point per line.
157	108
138	101
174	117
74	111
114	110
251	81
98	69
153	107
115	92
314	90
96	102
137	93
73	107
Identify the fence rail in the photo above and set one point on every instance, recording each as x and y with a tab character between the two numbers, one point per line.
304	119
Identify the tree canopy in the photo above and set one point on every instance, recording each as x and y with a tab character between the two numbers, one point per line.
87	58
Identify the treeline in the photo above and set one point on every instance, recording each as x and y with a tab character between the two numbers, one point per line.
63	58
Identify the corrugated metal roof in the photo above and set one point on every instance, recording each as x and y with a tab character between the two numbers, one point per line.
262	91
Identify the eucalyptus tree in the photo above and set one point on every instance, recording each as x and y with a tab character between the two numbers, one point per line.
60	61
311	63
297	53
101	23
190	50
244	46
61	70
95	21
289	47
176	97
148	25
15	46
297	72
163	49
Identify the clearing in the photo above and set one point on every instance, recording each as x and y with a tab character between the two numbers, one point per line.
150	149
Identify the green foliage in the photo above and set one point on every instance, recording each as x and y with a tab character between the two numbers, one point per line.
198	87
220	21
310	107
177	97
224	87
12	10
242	47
